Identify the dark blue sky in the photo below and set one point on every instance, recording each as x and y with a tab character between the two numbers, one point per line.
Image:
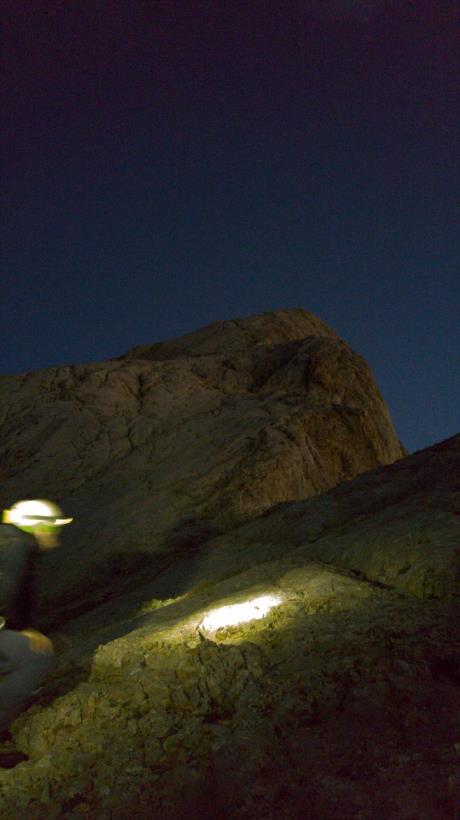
169	164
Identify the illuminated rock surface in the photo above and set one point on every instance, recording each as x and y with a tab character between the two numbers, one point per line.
216	426
341	702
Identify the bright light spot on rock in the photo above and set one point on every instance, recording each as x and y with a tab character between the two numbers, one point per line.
240	613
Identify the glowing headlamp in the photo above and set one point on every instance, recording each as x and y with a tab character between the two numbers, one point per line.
38	514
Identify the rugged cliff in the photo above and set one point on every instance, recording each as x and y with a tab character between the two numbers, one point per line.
256	612
273	673
215	427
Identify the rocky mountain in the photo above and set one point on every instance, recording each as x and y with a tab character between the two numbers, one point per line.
291	648
286	669
156	450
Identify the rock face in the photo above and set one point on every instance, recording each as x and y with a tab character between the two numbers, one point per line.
278	628
289	670
397	526
153	452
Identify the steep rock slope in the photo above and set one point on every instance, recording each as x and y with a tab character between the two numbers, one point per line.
397	526
338	698
216	426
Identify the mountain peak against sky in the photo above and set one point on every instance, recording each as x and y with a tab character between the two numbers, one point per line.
276	327
167	164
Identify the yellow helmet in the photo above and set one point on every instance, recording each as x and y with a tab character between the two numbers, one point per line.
35	515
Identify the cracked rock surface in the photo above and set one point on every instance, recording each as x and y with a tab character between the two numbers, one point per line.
251	468
342	701
216	427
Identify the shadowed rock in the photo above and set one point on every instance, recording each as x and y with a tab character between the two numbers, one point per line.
397	525
215	427
344	697
340	699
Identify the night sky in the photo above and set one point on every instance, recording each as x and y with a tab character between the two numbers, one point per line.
170	164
